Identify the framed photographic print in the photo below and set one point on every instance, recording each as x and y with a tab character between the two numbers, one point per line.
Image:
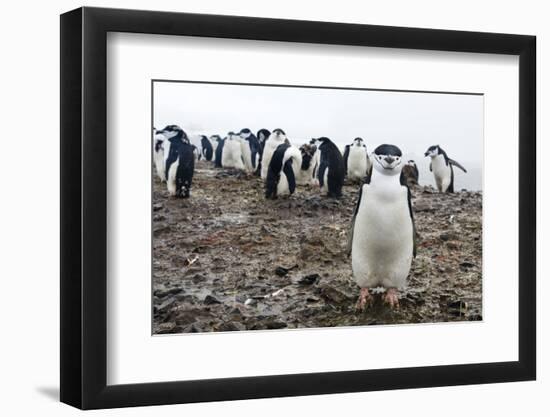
258	207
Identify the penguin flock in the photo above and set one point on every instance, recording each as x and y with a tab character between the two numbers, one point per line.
382	237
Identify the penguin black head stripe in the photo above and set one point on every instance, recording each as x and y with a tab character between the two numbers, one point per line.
279	132
433	150
387	157
358	142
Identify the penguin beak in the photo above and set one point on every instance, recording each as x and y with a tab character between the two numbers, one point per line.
389	159
426	153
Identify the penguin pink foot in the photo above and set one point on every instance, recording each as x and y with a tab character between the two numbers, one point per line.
391	297
365	299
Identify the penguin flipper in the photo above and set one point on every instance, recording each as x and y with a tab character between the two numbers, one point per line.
430	167
403	182
456	164
350	234
346	156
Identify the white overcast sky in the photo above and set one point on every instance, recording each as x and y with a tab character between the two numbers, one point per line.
412	121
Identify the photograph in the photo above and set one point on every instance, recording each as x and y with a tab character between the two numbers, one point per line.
278	207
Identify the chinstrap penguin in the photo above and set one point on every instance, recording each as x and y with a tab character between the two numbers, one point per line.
158	154
382	237
232	156
179	161
305	175
276	138
207	150
262	135
356	159
250	148
331	170
442	167
410	173
218	150
281	174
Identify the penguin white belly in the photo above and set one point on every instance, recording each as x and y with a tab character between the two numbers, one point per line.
357	163
269	149
325	181
171	182
282	185
159	164
305	176
247	156
231	155
382	247
442	173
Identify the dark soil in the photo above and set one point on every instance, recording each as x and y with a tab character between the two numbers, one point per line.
227	259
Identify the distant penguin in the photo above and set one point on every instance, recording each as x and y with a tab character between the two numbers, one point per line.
250	148
207	150
410	173
214	140
305	175
158	153
232	156
262	135
196	153
276	138
442	167
179	161
331	169
281	174
382	239
357	160
219	150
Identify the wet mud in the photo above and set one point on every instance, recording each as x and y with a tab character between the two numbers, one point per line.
227	259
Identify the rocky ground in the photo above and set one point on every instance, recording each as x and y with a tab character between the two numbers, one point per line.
227	259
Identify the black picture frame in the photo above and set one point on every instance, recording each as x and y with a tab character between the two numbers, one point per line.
84	207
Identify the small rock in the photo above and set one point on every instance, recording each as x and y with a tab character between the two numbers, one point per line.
209	300
333	295
309	279
467	265
157	207
161	230
168	304
457	308
231	327
197	278
165	328
280	271
275	325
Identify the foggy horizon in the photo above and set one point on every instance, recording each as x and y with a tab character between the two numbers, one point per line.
413	121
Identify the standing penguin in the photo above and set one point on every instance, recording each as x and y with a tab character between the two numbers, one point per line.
207	150
158	153
179	161
262	135
276	138
442	167
331	169
382	239
281	174
219	150
410	173
232	156
305	175
357	160
250	148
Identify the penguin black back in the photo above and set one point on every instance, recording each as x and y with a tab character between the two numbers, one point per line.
331	159
218	155
207	151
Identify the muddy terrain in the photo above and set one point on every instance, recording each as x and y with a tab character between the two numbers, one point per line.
227	259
